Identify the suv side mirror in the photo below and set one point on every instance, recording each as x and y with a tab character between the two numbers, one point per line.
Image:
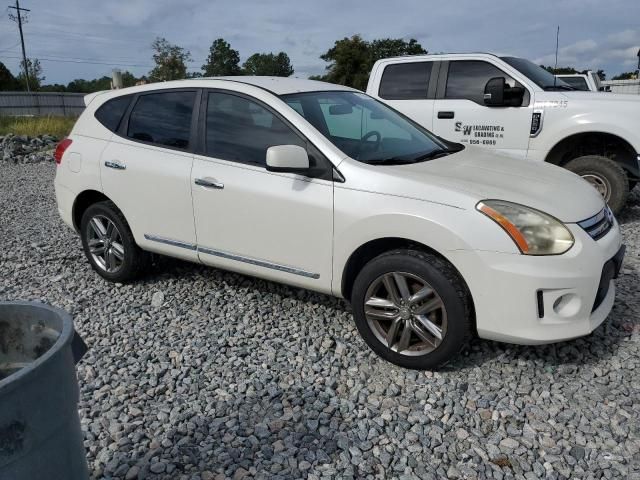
494	92
288	158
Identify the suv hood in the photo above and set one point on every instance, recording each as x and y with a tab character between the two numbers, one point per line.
489	175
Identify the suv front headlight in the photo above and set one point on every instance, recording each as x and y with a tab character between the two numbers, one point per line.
533	231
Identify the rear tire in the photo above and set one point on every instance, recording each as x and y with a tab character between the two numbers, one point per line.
435	302
607	176
109	244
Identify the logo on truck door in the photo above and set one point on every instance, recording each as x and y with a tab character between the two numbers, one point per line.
480	134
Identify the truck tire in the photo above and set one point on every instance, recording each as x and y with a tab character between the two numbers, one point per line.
607	176
412	308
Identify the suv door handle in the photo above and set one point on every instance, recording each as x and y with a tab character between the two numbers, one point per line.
446	114
207	183
115	165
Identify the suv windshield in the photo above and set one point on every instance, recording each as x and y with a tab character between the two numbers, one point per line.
541	77
365	129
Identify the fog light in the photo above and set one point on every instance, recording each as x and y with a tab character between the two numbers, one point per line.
567	305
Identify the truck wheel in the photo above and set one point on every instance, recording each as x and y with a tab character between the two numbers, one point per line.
109	244
412	309
607	176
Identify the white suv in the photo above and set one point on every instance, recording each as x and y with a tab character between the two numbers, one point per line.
322	187
514	106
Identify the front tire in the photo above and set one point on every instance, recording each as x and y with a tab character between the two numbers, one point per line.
109	244
606	176
412	309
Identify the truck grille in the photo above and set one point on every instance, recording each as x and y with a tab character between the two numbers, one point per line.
598	225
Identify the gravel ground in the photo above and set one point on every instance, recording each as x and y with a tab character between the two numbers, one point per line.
197	373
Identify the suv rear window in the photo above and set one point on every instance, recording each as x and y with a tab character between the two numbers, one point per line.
111	112
405	81
163	118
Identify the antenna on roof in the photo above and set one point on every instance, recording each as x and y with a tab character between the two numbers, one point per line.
555	68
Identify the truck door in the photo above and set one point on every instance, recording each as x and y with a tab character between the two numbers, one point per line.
410	88
460	114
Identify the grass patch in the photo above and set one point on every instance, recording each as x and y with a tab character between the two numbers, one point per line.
34	126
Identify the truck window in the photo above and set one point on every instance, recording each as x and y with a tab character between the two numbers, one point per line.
467	79
578	83
405	81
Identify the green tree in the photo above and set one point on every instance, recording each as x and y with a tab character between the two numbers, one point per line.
560	70
625	76
128	79
53	87
222	60
7	81
81	85
171	61
268	64
394	47
35	74
351	59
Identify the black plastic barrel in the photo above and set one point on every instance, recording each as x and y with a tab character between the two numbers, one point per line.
40	435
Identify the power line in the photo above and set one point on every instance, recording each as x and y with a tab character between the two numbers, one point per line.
86	61
10	48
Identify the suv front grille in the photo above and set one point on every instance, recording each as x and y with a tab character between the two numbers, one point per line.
598	225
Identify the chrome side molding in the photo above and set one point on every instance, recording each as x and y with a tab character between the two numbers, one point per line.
232	256
173	243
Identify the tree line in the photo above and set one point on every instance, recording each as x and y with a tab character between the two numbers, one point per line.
601	73
349	62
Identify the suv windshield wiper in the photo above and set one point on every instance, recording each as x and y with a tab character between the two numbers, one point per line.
406	159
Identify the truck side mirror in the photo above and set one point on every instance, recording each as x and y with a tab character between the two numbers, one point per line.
513	96
494	92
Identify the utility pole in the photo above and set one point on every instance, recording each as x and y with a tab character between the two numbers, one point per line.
24	55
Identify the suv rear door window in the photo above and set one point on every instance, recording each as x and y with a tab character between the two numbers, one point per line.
111	112
467	79
405	81
242	130
163	118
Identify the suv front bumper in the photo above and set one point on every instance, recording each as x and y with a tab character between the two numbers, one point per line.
533	300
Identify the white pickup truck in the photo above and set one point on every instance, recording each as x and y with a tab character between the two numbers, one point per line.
514	106
586	82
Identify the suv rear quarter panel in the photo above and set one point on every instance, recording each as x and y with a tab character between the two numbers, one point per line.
80	166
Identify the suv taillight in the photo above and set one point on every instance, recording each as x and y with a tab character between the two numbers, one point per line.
60	149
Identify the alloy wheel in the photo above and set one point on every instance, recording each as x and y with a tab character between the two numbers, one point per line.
405	313
105	244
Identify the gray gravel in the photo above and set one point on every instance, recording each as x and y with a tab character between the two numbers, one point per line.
25	149
196	373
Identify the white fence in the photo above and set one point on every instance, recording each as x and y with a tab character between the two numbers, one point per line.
623	86
41	104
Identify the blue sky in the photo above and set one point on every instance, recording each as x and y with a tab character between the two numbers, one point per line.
118	33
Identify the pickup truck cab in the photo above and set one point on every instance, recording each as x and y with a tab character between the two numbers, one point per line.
585	82
516	107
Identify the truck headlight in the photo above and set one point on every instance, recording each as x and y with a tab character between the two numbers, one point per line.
533	231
